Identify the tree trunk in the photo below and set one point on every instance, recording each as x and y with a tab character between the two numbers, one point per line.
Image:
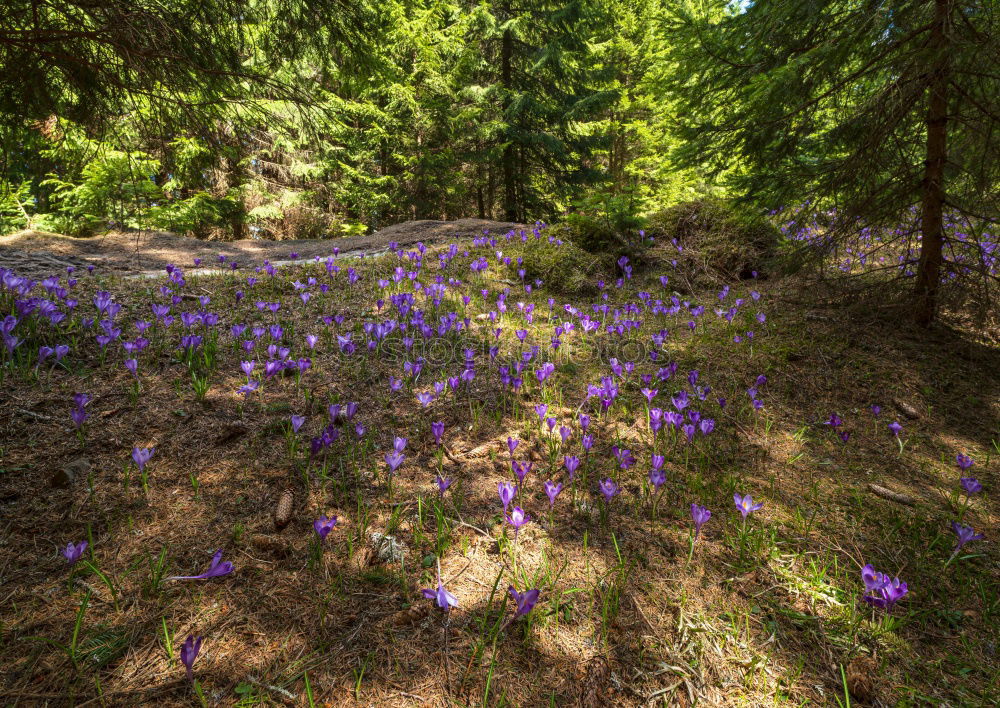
507	160
491	191
932	206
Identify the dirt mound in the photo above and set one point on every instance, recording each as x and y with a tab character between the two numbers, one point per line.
38	253
410	232
37	264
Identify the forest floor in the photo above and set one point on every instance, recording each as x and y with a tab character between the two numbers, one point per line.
38	253
767	611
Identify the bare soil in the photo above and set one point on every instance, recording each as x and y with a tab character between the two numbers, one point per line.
38	254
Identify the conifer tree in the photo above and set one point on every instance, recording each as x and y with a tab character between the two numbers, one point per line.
873	107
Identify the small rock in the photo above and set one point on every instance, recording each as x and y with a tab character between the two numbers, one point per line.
906	409
389	549
62	478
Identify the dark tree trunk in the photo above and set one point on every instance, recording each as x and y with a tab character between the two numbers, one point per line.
507	160
491	190
933	198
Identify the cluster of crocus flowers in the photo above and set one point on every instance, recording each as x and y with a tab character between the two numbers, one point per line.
79	411
970	485
880	590
835	422
394	458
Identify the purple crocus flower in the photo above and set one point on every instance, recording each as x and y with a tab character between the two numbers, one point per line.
79	416
964	534
437	430
297	421
835	421
700	515
541	409
587	441
873	580
656	474
521	470
73	552
746	505
216	568
442	598
876	410
512	444
584	421
525	601
895	428
394	459
609	489
425	398
572	464
964	461
971	485
552	490
324	526
189	652
443	483
518	518
506	490
141	456
624	457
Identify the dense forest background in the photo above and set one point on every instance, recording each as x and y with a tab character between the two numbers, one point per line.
516	111
858	127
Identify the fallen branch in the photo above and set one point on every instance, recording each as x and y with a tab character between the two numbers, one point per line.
891	495
31	414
